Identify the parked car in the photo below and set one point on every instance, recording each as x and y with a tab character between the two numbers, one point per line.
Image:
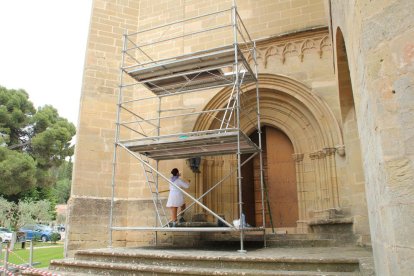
59	228
5	234
39	232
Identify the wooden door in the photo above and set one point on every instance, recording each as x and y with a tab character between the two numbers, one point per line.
281	179
248	187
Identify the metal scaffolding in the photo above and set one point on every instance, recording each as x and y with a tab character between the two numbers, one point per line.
149	72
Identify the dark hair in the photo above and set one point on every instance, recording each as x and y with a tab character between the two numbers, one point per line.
174	172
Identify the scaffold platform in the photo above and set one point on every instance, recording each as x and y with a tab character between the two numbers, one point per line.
187	145
201	70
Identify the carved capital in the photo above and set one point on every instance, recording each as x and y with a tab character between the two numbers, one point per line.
298	157
329	151
317	155
340	149
220	162
313	155
209	162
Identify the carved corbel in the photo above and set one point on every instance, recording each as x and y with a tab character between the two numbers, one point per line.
271	51
290	47
325	42
306	45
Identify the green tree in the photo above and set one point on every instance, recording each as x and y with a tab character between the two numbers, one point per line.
51	137
16	112
60	191
33	143
17	171
25	212
7	210
30	212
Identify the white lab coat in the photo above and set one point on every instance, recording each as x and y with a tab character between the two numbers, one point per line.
176	197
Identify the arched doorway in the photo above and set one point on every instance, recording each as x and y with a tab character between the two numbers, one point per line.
306	123
280	180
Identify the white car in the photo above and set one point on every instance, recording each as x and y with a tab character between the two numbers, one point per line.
5	234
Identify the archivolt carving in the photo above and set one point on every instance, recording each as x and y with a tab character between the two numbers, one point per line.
291	106
309	123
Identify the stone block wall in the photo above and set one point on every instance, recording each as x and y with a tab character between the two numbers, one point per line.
90	225
378	37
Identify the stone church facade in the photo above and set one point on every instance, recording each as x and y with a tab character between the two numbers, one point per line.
336	82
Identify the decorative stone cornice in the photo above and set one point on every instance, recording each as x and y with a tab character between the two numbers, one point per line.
296	44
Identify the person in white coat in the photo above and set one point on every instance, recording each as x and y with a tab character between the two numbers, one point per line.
176	197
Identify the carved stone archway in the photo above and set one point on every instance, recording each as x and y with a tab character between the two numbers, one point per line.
306	119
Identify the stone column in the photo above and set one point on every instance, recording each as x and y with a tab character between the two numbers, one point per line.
326	185
314	156
234	190
298	158
218	191
301	223
207	176
199	179
332	177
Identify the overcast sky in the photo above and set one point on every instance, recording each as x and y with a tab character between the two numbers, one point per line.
42	50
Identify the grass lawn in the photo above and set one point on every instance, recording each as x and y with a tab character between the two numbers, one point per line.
40	254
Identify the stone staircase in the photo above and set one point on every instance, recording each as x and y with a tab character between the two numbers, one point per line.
329	250
170	261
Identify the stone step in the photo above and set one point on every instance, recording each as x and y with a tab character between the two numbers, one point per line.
252	244
307	240
216	260
273	240
68	266
302	243
310	236
54	273
173	261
